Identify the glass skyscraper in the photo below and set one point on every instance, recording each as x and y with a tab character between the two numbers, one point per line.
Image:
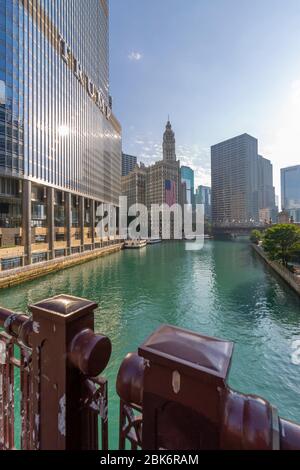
60	144
188	182
290	191
129	163
203	196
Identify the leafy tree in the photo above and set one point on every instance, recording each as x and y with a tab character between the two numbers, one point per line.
281	242
207	228
256	236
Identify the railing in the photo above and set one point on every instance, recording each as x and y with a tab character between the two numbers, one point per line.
174	396
173	393
9	363
49	371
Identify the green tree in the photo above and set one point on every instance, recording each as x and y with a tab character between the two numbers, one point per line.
256	236
281	242
207	228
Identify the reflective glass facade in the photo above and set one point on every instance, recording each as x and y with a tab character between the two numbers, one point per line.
60	144
290	190
203	196
54	69
188	179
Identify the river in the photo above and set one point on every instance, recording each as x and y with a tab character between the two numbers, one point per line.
225	290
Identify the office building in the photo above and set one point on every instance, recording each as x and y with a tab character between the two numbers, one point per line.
266	189
163	178
242	181
290	191
134	186
188	182
128	163
60	144
203	196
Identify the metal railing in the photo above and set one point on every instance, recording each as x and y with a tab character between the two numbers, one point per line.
50	390
173	393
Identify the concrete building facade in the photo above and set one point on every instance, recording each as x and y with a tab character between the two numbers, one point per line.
134	186
242	181
164	172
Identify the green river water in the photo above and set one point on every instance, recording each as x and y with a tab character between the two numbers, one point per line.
225	290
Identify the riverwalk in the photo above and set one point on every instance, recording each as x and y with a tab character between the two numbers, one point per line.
291	279
28	273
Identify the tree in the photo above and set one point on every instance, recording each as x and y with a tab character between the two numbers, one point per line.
281	242
256	236
207	228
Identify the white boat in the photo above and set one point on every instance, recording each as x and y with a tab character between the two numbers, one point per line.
154	241
135	244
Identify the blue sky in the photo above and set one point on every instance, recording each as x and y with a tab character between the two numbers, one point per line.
217	67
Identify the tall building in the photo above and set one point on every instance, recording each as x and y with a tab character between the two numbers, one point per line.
60	144
188	180
266	189
203	196
128	163
163	178
163	183
134	186
235	180
290	191
169	144
242	181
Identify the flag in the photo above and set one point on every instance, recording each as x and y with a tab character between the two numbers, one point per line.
171	195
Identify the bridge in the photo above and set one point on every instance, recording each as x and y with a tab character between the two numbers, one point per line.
235	230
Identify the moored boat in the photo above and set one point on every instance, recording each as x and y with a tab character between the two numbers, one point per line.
154	241
135	244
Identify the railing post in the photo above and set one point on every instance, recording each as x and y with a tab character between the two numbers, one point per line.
65	352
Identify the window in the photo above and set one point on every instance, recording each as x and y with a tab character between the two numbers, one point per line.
11	263
39	258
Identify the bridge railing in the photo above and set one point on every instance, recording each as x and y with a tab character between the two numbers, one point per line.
174	396
51	395
173	393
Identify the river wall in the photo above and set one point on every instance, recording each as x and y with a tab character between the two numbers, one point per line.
28	273
282	271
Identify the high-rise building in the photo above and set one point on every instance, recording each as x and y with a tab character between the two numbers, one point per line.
128	163
169	144
163	184
134	186
188	180
266	189
242	181
163	178
290	191
203	196
60	144
235	180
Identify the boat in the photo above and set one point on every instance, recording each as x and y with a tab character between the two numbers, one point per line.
154	241
135	244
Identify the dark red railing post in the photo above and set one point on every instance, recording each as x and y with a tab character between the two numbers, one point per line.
65	354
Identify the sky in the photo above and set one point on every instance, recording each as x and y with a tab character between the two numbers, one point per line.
219	68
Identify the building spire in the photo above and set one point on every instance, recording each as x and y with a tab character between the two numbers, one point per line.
169	150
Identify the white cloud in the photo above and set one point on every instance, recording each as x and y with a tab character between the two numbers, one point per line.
195	156
135	56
